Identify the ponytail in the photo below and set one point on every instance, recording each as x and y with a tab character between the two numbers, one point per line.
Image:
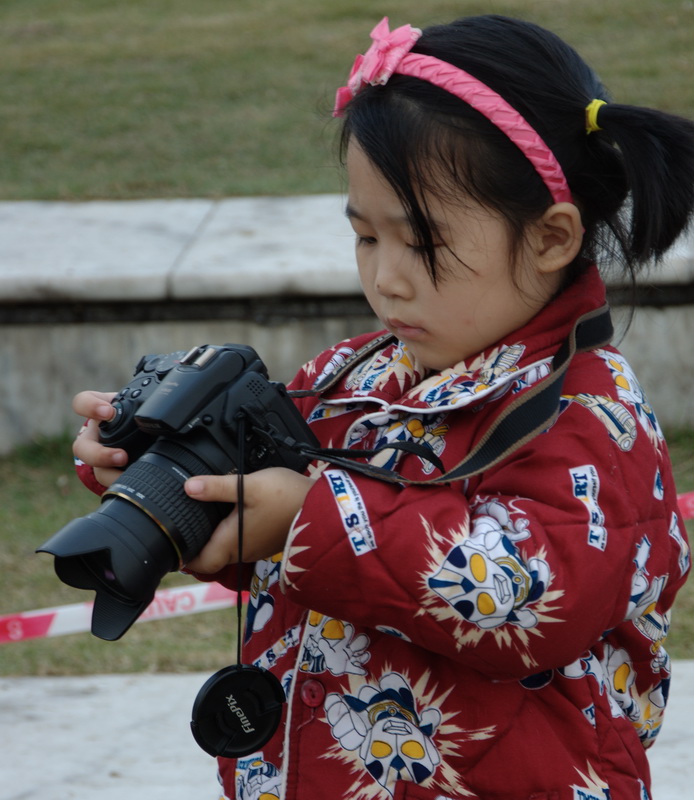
657	155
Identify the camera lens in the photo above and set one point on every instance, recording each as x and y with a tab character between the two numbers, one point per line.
99	565
154	484
146	526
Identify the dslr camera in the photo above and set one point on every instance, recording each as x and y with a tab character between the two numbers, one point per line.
209	411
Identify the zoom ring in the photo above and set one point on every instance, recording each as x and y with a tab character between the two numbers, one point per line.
160	493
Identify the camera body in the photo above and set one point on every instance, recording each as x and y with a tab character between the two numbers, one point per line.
123	430
209	411
196	396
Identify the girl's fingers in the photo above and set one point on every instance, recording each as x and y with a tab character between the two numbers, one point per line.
272	497
219	551
215	488
94	405
88	449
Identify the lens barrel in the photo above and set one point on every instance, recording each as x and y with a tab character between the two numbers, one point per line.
154	484
146	526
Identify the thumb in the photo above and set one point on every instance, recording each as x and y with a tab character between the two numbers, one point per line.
214	488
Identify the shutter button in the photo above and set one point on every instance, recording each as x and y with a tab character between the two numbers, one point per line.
312	693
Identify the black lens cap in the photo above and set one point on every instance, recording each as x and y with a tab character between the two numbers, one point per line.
237	711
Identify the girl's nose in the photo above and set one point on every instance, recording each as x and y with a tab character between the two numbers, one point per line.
392	278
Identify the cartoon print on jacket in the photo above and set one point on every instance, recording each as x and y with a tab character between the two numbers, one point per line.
588	666
257	779
644	711
329	411
428	432
615	673
592	786
484	576
338	358
644	594
330	644
397	364
382	723
629	391
675	531
261	603
479	382
386	731
505	362
643	607
619	423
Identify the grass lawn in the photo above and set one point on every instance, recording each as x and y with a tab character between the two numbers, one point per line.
39	493
168	98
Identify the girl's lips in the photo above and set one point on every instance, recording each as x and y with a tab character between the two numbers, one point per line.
405	331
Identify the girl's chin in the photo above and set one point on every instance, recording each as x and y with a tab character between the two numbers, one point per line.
432	359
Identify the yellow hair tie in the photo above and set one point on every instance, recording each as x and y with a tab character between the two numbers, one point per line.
592	115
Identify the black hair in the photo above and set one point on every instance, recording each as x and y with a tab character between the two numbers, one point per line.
633	180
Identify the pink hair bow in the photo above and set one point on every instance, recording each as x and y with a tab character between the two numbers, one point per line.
379	62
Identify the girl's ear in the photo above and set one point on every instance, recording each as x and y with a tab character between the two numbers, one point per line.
557	236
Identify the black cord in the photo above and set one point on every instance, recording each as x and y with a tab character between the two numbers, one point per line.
239	505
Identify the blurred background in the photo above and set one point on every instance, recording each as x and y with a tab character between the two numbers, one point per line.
114	113
168	98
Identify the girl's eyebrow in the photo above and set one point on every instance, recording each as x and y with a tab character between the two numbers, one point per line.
352	213
396	219
437	225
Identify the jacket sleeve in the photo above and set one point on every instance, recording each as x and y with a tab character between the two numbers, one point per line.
519	573
86	474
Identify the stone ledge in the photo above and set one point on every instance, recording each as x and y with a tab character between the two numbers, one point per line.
175	249
185	250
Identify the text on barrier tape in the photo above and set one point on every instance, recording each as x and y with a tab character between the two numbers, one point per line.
77	618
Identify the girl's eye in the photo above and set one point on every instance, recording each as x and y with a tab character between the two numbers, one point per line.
365	240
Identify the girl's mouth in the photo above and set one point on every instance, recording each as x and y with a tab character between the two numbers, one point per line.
404	330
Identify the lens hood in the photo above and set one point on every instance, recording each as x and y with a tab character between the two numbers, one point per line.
99	552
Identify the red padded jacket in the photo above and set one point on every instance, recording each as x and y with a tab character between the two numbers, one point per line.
497	638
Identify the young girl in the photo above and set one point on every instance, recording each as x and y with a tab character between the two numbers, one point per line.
493	630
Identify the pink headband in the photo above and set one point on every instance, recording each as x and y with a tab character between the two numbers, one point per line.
390	54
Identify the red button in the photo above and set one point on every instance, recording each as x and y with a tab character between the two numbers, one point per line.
312	693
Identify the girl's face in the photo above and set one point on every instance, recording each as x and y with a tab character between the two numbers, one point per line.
477	300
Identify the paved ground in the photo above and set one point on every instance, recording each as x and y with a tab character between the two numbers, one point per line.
118	737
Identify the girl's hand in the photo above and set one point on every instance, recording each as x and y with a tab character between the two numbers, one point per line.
272	498
106	461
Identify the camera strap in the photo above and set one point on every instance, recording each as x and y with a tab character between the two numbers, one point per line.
239	708
240	509
531	413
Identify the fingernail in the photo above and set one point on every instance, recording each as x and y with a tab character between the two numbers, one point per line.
105	412
194	486
119	459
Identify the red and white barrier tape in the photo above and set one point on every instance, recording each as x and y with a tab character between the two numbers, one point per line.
76	618
167	603
686	504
